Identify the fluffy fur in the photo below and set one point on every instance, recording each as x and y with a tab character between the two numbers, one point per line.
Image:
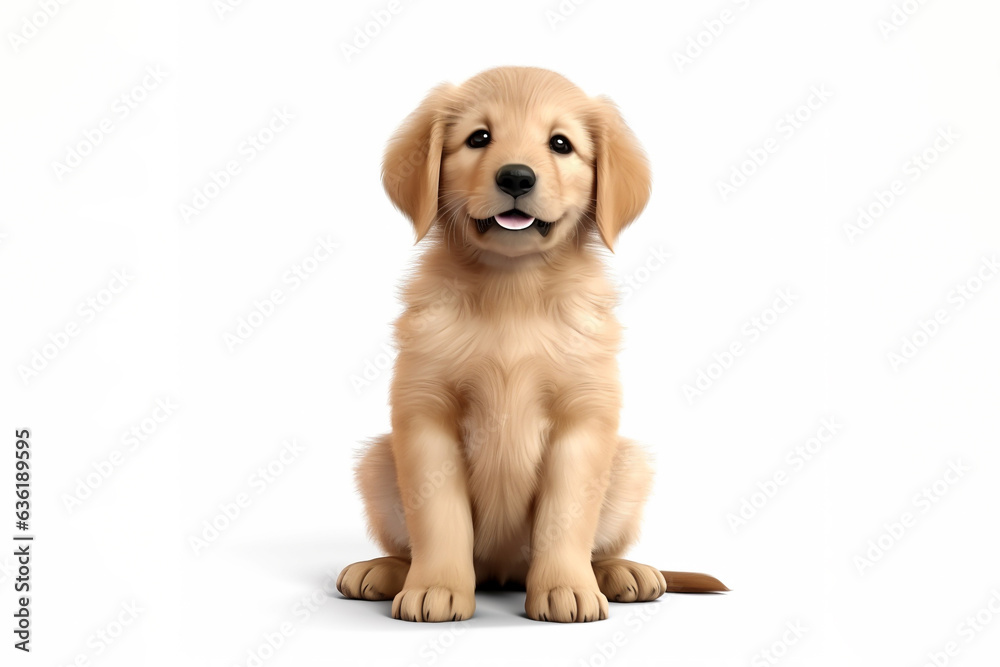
504	463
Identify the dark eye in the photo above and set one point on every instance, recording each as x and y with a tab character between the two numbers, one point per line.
560	144
478	139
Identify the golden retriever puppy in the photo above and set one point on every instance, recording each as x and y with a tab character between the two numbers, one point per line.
504	463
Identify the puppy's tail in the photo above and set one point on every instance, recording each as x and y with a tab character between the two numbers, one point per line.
692	582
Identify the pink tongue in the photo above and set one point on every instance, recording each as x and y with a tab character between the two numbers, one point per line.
513	220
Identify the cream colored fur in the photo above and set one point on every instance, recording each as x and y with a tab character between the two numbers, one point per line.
504	463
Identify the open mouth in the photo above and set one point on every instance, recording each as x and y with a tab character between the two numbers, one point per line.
513	220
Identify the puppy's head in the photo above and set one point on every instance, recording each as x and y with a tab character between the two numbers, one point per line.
516	162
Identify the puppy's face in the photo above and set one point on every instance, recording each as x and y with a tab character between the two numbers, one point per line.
516	162
517	172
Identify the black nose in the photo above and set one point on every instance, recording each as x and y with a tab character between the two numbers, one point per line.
515	179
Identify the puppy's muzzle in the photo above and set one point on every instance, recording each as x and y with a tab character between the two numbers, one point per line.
514	220
515	180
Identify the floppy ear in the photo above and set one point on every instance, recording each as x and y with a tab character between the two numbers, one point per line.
622	179
411	166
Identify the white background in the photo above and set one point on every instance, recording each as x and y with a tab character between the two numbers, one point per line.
793	563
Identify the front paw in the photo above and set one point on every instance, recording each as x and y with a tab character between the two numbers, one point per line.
434	604
376	579
566	604
625	581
